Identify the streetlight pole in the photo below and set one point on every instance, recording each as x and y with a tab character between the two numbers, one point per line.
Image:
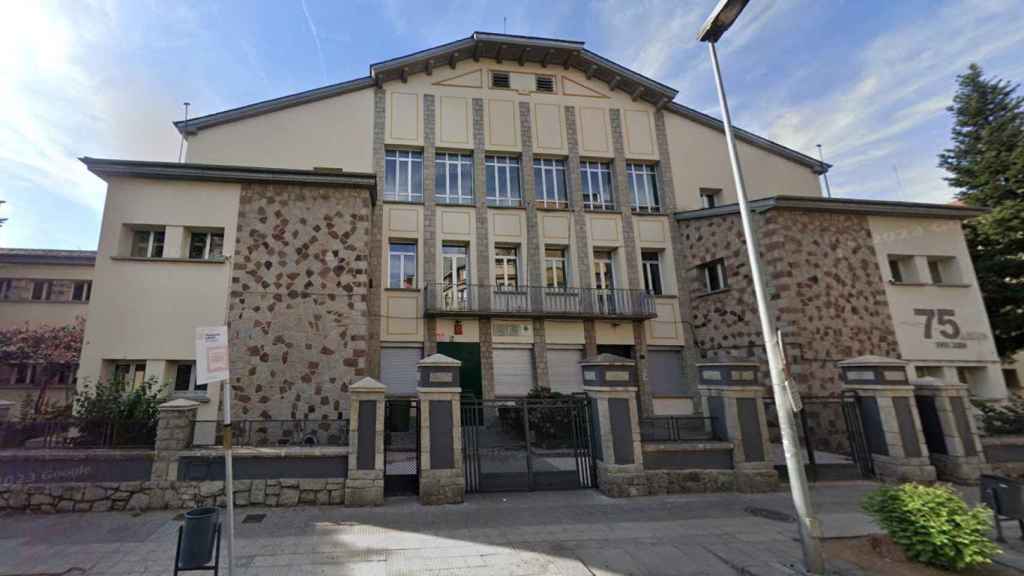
810	531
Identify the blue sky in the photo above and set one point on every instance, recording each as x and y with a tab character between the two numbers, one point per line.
867	80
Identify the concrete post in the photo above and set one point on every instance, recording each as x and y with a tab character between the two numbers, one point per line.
610	384
949	431
891	423
442	472
365	483
733	398
173	434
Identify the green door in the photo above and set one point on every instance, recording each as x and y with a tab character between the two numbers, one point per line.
469	373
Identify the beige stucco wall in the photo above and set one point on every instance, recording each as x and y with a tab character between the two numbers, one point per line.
700	160
19	313
974	347
149	310
335	133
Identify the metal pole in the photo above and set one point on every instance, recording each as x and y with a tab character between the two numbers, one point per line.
828	189
229	486
809	528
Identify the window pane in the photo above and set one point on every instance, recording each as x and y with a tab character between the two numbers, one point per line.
416	186
140	244
197	246
514	191
467	178
440	179
158	245
492	181
182	375
390	177
395	271
216	246
38	290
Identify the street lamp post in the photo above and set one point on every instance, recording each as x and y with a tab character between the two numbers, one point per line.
715	26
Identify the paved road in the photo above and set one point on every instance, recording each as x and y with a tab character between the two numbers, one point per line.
549	533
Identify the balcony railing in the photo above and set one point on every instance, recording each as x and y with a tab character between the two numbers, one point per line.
530	301
679	429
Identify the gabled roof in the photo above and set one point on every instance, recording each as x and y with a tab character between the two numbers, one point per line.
47	256
513	48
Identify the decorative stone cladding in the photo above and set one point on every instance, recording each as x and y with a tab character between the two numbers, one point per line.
298	309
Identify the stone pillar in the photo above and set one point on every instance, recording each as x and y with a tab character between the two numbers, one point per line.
442	475
888	411
5	410
949	431
173	434
610	384
733	398
365	483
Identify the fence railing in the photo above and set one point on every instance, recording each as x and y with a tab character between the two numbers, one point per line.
272	433
678	429
74	433
478	299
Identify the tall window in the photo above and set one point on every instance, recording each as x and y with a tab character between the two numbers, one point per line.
549	183
453	179
455	274
148	244
402	265
643	186
41	289
506	267
81	291
503	181
604	272
403	175
598	193
185	377
554	268
205	245
714	275
652	272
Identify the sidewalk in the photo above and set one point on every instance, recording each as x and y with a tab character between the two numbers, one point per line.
557	533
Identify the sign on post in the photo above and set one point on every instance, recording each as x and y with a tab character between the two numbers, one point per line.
211	354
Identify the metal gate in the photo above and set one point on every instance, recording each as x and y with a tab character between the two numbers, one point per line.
527	444
401	446
832	439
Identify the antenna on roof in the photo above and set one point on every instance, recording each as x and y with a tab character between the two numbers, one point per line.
828	189
181	145
504	24
899	180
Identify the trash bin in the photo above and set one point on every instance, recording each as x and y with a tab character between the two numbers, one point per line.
198	537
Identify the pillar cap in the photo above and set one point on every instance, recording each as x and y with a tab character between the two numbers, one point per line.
179	404
871	361
367	385
438	360
607	360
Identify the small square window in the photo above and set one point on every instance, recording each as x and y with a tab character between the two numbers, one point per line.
500	80
204	245
713	274
902	269
81	291
710	197
41	289
148	244
943	270
545	84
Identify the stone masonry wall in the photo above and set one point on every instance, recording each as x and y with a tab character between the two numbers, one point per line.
298	310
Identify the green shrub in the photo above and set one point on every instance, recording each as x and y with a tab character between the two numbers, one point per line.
933	525
127	413
1002	420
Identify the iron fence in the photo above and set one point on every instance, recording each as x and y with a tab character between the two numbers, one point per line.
477	299
678	429
270	433
73	433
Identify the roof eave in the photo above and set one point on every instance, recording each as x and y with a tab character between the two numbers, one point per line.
843	205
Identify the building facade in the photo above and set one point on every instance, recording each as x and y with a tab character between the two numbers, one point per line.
515	203
41	289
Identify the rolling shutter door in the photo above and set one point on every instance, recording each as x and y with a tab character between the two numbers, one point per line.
398	370
513	372
665	373
564	373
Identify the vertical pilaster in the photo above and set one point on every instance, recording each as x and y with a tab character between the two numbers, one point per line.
365	483
610	384
540	354
173	434
951	434
483	250
442	473
376	264
583	250
429	215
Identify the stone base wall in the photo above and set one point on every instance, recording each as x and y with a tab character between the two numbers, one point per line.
689	481
168	495
364	488
442	486
958	469
1005	455
904	469
757	481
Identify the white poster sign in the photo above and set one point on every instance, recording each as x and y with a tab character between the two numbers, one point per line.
211	354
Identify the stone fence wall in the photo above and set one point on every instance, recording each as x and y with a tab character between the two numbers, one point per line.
1005	454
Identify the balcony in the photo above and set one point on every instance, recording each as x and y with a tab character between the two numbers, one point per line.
476	300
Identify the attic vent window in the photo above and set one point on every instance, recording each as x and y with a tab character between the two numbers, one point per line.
546	84
500	80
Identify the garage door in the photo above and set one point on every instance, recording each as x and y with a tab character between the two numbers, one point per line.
665	373
513	372
564	373
398	370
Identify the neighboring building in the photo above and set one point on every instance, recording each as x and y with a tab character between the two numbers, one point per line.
42	288
507	201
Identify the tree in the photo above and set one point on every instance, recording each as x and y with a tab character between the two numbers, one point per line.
986	166
57	348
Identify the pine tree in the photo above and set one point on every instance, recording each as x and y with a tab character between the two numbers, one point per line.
986	166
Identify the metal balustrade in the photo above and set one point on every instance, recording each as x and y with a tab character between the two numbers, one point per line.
520	301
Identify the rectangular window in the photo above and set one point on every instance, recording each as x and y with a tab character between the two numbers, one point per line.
896	269
710	197
545	84
205	245
82	291
500	80
554	268
714	275
185	377
453	178
506	267
652	272
549	183
148	244
403	175
929	372
598	193
643	185
402	265
41	289
6	289
455	275
503	181
943	270
130	372
24	374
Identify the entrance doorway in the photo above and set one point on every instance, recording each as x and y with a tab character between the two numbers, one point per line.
469	373
401	446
